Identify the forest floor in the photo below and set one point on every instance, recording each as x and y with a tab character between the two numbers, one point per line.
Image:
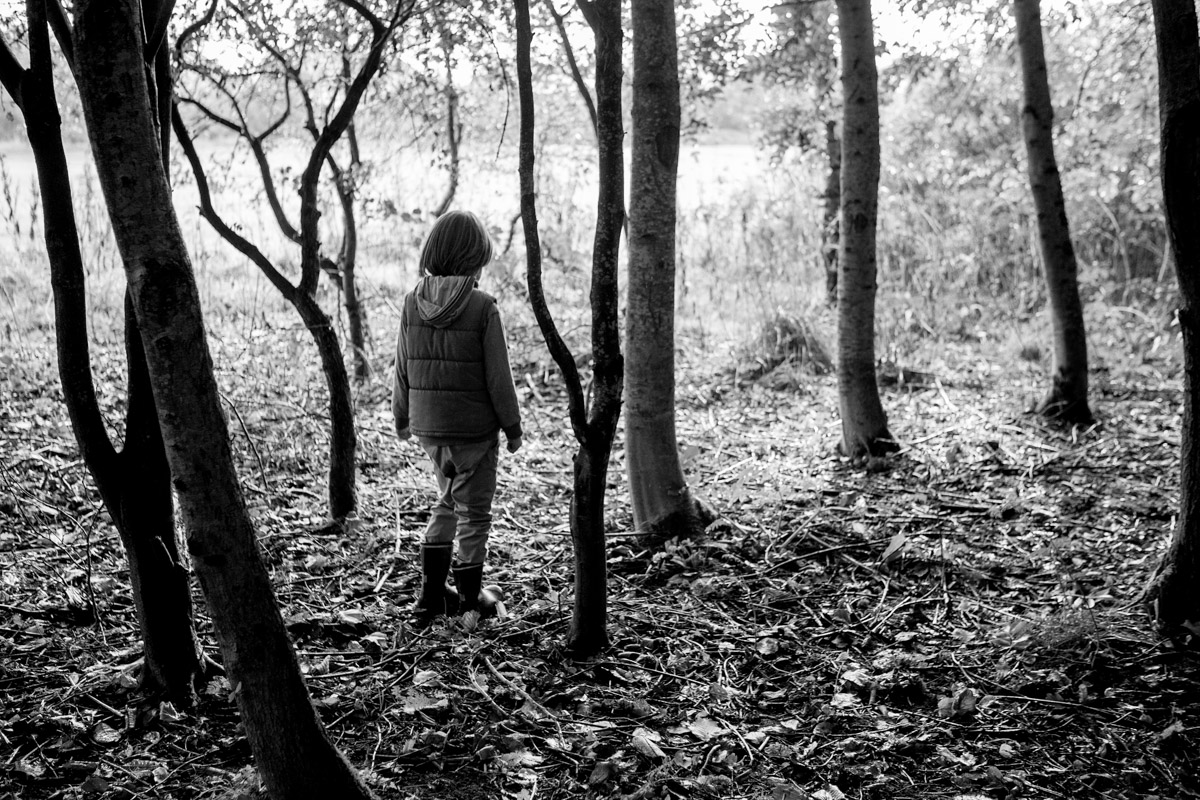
960	621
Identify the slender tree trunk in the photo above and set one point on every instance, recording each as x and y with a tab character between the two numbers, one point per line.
1174	601
134	483
343	439
662	503
573	65
347	266
1067	399
293	754
146	520
833	202
864	423
453	129
588	633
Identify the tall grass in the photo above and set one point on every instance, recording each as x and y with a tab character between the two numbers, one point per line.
952	268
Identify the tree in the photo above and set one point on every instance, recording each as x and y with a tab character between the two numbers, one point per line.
594	424
801	58
577	78
1067	399
454	127
1172	594
293	75
135	481
290	747
864	423
662	503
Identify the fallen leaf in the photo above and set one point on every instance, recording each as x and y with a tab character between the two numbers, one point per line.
645	742
603	771
704	727
105	734
414	702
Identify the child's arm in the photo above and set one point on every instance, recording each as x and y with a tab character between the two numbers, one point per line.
400	382
500	380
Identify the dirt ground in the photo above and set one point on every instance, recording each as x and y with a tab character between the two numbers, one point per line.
959	621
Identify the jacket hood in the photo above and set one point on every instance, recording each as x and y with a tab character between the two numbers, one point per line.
441	298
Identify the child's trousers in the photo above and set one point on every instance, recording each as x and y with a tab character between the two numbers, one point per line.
466	476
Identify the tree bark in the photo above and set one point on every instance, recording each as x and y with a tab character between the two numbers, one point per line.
588	634
1067	399
663	506
864	423
833	201
135	482
291	749
343	438
1174	602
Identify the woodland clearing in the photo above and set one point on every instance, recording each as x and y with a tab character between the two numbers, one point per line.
958	621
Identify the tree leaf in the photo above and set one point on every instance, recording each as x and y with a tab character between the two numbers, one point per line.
705	727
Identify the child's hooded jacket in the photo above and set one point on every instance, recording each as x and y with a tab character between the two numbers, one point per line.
453	383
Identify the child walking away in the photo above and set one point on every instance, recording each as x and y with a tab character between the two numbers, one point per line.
454	391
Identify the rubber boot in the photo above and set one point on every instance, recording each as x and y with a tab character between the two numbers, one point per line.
473	597
436	598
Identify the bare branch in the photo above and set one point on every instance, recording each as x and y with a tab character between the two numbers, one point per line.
195	27
259	152
589	13
533	250
378	27
240	243
309	211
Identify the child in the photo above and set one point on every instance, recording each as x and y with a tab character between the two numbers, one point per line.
454	391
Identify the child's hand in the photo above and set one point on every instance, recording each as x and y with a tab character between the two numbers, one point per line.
514	444
405	434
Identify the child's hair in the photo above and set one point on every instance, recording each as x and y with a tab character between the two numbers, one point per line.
458	244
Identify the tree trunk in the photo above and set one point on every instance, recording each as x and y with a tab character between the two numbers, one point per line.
589	628
588	633
662	503
1067	400
1172	595
833	202
292	752
141	492
453	129
135	483
343	439
347	266
864	423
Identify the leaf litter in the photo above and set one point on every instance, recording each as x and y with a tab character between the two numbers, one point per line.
959	621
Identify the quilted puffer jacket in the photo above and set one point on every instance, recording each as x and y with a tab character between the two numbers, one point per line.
453	383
